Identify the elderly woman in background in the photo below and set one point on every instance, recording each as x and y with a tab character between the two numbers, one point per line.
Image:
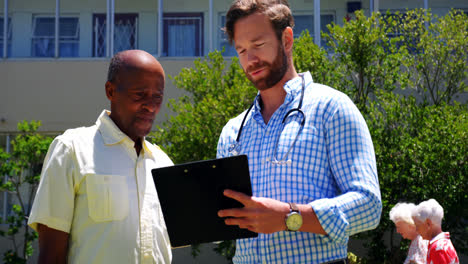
401	217
427	217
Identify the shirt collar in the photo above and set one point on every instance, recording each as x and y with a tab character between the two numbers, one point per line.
440	236
111	133
291	87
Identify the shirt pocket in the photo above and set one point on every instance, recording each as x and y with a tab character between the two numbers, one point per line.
107	197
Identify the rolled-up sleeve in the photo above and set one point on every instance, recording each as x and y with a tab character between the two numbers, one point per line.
54	201
353	166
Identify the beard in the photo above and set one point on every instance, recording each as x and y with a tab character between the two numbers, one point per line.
276	71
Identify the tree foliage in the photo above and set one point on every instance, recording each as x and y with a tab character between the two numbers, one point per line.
420	155
420	143
19	176
438	59
366	58
310	57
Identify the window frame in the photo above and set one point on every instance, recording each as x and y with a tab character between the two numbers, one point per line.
223	38
75	39
199	31
311	15
117	16
9	37
5	208
390	35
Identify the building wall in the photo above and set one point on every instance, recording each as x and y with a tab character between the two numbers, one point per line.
69	92
63	93
23	11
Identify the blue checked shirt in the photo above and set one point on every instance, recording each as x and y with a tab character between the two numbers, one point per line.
332	169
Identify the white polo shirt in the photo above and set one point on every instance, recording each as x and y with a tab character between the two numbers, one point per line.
95	187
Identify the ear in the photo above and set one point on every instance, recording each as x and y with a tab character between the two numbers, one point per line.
428	223
110	90
288	39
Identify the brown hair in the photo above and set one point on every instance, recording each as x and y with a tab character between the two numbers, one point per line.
276	10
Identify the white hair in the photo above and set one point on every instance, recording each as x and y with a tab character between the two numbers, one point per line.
429	209
402	212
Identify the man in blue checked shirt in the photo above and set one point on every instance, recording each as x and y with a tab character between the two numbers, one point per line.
311	157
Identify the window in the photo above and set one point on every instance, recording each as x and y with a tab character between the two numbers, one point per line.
125	33
394	23
303	22
43	40
2	41
229	49
183	34
394	31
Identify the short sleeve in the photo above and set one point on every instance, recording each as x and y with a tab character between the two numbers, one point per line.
54	201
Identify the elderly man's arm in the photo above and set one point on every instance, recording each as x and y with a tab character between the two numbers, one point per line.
53	245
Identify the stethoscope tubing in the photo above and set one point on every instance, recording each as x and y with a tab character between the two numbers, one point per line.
233	147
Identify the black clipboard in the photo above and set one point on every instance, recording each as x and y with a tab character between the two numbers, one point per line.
191	194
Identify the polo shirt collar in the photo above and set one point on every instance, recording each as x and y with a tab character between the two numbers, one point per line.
111	133
441	235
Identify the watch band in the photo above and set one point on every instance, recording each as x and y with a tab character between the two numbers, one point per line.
293	207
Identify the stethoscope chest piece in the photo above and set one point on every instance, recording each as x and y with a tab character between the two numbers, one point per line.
234	148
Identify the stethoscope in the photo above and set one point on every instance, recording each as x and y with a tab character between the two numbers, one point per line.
235	147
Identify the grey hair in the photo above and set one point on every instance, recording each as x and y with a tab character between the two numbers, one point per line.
429	209
402	212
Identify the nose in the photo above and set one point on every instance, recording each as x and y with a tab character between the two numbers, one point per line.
150	105
252	57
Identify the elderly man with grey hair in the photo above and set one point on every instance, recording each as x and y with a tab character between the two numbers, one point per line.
427	217
401	217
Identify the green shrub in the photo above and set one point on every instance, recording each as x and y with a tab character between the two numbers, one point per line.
420	145
366	58
420	155
19	176
439	60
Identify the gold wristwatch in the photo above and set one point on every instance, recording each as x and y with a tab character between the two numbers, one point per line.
294	218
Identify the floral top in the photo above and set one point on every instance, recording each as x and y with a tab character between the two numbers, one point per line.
441	250
417	252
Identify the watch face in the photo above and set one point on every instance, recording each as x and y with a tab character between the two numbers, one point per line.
294	221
